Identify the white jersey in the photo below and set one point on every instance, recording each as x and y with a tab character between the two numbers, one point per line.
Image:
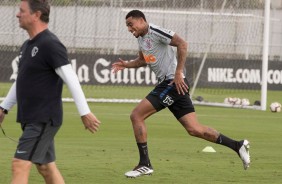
157	52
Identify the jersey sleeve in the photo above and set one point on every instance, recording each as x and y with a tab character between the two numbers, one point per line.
57	54
11	98
70	78
164	35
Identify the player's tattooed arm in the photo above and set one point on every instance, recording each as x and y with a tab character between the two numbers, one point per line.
135	63
181	46
138	62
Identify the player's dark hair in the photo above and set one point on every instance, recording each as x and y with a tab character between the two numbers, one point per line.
40	5
136	14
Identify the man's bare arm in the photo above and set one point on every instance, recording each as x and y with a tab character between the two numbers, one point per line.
135	63
181	46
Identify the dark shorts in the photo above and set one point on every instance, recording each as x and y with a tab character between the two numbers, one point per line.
37	143
165	95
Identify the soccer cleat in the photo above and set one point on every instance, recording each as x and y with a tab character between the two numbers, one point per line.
139	170
244	154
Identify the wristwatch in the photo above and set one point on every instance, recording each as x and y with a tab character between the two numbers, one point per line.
4	110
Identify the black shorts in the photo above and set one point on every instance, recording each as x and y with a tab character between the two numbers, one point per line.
37	143
165	95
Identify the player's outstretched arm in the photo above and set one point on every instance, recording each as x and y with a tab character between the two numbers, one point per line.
119	65
122	64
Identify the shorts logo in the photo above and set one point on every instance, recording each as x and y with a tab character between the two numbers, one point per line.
21	152
34	51
168	100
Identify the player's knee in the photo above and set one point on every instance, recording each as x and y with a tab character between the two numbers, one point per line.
134	117
20	166
42	169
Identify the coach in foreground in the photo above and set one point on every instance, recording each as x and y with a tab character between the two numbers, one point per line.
43	67
155	45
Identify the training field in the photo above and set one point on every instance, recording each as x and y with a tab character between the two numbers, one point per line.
102	158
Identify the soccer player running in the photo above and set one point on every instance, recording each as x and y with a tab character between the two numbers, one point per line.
155	49
43	67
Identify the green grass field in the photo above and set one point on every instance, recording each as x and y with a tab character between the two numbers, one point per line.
104	157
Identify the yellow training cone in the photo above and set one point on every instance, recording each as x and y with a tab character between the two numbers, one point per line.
209	149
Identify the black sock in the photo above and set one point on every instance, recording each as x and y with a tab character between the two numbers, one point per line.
226	141
144	155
